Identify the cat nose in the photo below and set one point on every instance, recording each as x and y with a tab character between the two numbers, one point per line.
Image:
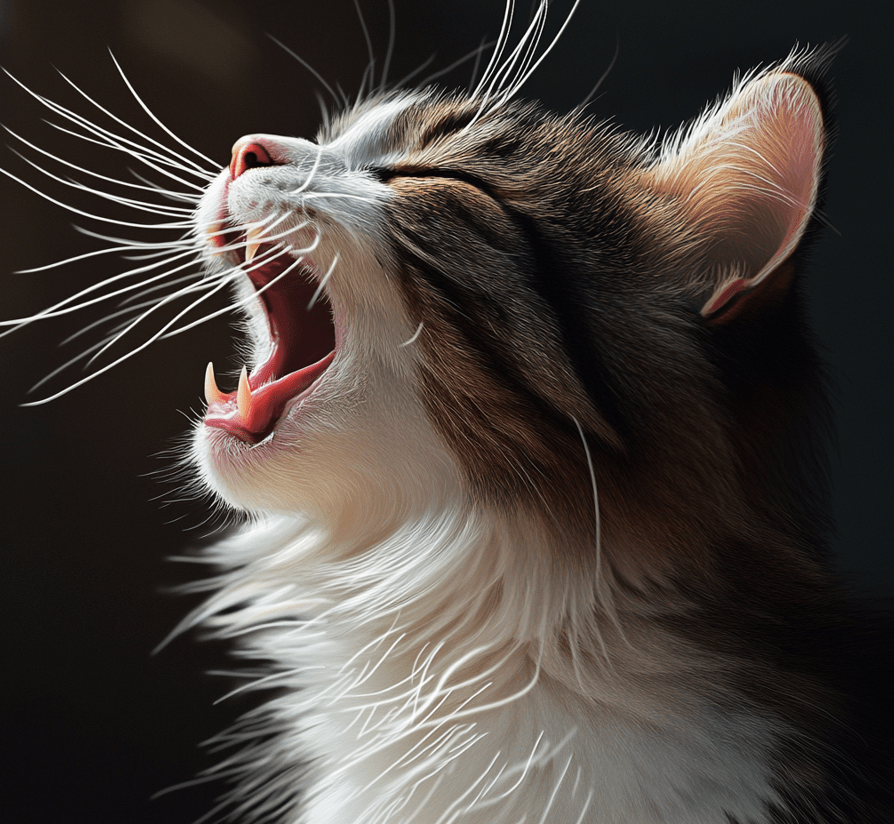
247	154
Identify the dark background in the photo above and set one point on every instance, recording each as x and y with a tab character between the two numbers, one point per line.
92	723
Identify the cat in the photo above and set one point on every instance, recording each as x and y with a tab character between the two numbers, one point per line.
531	448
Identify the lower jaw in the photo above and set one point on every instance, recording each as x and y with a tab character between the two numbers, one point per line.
254	417
234	434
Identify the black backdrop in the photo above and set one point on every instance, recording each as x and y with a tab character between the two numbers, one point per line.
92	723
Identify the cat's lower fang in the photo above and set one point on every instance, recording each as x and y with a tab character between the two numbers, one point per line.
243	395
251	412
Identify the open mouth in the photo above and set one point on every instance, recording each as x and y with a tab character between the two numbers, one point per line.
302	348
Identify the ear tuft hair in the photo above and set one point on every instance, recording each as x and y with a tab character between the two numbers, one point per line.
746	177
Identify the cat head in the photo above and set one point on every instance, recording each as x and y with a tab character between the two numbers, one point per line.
511	308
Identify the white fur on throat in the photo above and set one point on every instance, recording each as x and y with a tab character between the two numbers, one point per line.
420	680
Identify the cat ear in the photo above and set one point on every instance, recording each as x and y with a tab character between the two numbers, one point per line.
747	177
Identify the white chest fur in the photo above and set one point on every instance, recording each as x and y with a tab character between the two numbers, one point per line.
428	686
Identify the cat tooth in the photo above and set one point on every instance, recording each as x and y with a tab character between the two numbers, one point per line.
212	393
215	235
252	243
243	395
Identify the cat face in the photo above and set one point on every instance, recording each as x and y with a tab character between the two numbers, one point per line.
434	356
499	296
465	298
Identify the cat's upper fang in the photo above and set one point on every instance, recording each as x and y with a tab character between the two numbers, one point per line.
253	241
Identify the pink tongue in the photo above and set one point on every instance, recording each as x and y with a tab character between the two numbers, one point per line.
251	415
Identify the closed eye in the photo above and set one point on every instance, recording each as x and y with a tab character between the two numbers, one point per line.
385	175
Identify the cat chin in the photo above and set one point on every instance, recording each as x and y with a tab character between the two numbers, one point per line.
376	462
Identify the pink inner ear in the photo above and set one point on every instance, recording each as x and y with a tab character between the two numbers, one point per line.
786	140
747	178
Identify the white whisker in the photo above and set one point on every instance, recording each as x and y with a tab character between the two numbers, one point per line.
157	164
148	187
184	241
266	240
323	281
214	165
266	224
183	163
520	55
85	256
389	52
325	117
129	308
183	197
169	211
369	71
418	70
56	309
502	39
415	336
602	77
341	99
115	140
136	350
311	174
64	366
476	65
238	304
156	305
180	224
546	51
476	53
129	301
308	249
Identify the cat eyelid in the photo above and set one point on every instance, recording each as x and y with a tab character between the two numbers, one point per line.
384	175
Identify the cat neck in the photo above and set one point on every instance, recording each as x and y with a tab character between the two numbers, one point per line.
457	630
459	579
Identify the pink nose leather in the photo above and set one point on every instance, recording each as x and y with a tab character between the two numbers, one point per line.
247	154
